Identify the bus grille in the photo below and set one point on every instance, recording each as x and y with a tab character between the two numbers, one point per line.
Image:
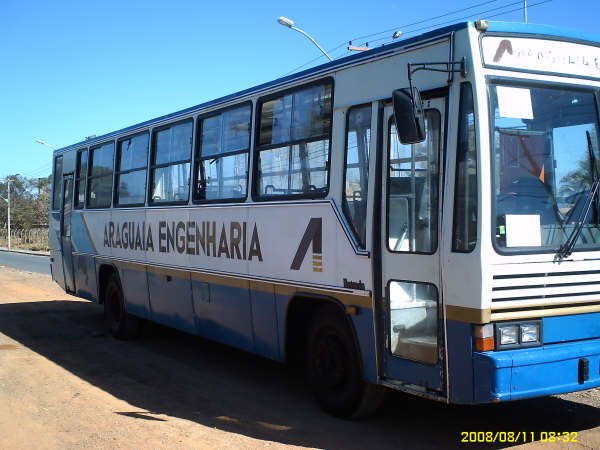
546	289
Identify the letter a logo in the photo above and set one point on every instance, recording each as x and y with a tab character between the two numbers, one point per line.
504	47
313	235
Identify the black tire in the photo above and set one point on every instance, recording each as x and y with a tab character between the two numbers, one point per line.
119	323
334	368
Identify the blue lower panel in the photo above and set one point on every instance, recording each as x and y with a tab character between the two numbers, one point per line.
525	373
171	301
363	324
223	313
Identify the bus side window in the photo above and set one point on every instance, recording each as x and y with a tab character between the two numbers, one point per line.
294	143
132	160
80	178
56	182
222	155
99	191
464	229
171	156
356	170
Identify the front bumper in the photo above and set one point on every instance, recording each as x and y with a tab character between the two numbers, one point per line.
533	372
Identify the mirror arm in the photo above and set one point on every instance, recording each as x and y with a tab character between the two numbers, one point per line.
451	67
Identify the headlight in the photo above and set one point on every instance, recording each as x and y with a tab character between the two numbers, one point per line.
530	333
509	334
518	334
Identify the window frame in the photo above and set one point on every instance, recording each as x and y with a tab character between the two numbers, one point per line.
256	195
197	154
118	172
439	332
439	184
464	86
152	166
81	176
89	179
359	245
492	81
57	182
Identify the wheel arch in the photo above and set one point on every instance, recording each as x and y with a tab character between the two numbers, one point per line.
105	272
300	311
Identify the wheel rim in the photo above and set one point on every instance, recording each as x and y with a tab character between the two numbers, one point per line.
331	361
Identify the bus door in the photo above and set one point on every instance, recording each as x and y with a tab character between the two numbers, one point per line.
65	232
413	328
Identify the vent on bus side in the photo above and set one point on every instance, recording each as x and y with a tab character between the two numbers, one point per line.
551	288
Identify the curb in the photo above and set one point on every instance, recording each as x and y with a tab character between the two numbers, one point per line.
26	252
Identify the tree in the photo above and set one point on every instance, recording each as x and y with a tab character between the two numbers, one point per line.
30	202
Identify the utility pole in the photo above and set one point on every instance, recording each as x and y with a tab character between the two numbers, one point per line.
7	200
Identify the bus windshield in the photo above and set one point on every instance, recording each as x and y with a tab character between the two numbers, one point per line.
545	158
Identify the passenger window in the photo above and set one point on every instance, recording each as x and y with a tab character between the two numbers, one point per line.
57	182
354	197
132	159
293	144
412	190
80	178
222	155
171	155
99	191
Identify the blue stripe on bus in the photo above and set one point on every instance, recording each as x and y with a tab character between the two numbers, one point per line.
571	328
460	361
541	30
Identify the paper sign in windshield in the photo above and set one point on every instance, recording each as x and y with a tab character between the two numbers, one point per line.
514	102
523	230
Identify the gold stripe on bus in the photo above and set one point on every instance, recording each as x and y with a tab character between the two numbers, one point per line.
543	303
131	265
362	299
537	313
470	315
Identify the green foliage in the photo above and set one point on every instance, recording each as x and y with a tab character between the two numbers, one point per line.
29	199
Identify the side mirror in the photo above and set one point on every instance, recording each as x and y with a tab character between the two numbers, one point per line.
408	113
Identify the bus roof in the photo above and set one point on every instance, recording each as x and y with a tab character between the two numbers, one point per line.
493	27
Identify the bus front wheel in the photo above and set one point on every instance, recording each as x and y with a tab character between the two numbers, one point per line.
119	323
334	368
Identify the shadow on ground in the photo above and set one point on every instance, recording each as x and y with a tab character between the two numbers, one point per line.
172	373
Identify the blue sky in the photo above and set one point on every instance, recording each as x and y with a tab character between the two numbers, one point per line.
71	69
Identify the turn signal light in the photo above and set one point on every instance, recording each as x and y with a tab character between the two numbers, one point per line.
484	337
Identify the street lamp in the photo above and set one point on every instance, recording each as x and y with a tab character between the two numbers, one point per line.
43	142
290	24
7	200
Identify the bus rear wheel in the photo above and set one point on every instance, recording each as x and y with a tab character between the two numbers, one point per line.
119	323
334	368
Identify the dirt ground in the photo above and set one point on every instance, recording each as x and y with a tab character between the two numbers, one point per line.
65	384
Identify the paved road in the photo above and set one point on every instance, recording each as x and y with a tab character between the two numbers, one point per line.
24	261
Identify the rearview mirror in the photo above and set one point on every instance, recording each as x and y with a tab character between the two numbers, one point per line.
408	113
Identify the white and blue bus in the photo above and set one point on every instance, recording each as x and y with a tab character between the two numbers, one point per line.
423	216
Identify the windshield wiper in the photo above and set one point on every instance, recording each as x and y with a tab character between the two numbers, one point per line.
566	249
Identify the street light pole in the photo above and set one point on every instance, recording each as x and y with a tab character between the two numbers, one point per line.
290	24
7	200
